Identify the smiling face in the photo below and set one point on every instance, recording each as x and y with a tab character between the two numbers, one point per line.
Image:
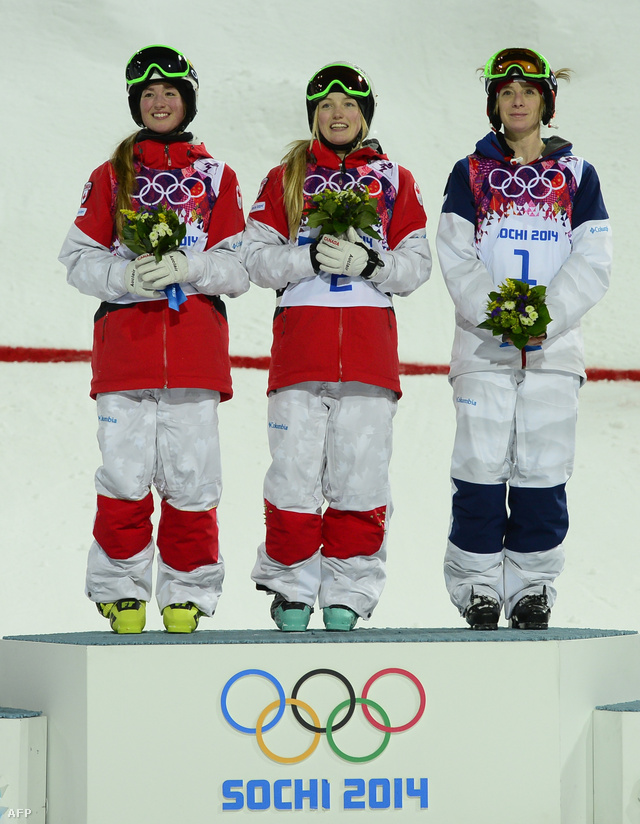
162	108
520	106
339	119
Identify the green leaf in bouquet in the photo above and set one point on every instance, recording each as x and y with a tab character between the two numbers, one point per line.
537	329
317	218
539	291
180	233
133	241
543	315
362	220
518	340
369	230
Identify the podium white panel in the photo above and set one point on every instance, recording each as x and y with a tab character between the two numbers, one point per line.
617	764
23	762
155	728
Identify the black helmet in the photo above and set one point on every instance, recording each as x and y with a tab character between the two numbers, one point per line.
519	64
155	63
341	77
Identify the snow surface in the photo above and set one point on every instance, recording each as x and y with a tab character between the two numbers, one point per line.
65	110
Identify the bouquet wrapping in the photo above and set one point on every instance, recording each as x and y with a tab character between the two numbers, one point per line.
155	231
517	311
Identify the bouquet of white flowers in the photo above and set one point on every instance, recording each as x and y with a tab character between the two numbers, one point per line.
517	311
156	231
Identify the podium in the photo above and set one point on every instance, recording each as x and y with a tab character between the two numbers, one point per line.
23	765
440	726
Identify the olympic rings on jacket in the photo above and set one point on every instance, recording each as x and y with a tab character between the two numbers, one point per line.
527	179
315	727
336	182
162	190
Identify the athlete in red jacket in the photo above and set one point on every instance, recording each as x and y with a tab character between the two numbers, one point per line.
158	372
333	379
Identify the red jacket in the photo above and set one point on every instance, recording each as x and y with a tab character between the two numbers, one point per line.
353	336
141	343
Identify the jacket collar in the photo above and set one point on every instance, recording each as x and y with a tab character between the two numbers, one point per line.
324	156
495	147
158	155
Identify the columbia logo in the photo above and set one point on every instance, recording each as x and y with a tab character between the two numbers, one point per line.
470	401
273	425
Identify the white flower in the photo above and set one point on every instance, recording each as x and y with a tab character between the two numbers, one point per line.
509	305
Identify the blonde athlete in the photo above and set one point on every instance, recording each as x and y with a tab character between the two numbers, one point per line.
333	379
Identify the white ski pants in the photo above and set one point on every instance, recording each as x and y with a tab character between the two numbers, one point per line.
167	439
513	454
329	442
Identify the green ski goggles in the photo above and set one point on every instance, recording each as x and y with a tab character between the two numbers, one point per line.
169	62
347	79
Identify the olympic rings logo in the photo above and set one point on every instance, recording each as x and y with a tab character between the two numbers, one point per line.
525	179
159	189
331	725
336	185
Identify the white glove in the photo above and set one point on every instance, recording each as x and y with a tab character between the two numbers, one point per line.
172	268
341	257
134	283
347	257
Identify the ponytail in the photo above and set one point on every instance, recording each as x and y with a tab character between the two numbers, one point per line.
122	162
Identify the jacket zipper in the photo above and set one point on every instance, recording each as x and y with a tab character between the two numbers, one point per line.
167	155
104	325
164	347
340	330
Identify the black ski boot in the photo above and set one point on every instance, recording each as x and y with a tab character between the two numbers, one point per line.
531	612
483	612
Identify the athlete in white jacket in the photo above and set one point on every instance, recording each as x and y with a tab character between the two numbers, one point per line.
524	208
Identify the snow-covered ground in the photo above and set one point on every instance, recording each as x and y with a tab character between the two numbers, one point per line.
64	110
